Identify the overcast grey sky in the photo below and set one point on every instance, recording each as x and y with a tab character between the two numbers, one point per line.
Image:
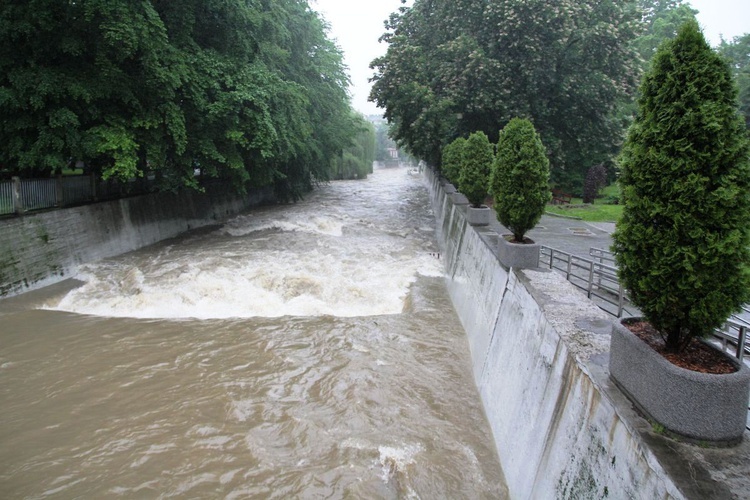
357	24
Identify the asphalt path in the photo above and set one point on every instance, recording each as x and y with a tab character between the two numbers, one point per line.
573	236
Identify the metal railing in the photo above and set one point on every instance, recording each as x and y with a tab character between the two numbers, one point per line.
36	194
6	197
597	276
597	279
77	189
732	336
18	196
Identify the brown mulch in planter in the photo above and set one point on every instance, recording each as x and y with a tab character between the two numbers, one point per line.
697	356
511	239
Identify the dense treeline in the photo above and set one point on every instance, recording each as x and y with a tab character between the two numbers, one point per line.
737	51
356	160
571	66
251	91
454	67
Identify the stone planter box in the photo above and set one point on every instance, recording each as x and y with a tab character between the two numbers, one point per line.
478	216
458	198
449	188
517	255
702	407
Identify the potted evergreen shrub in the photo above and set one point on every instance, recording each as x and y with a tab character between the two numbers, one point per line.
520	187
473	178
452	155
683	244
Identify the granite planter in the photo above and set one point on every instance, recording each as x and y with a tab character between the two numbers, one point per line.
458	198
478	216
702	407
517	255
449	188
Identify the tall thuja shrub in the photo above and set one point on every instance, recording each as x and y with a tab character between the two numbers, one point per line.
451	160
520	178
682	242
476	163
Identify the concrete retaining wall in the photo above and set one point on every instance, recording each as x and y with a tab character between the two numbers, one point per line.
39	249
531	335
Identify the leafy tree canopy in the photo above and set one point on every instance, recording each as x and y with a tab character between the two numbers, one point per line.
251	91
454	67
355	162
738	53
662	20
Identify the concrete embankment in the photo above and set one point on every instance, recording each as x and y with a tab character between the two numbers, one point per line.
533	338
43	248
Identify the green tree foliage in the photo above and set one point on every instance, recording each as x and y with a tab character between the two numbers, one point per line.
356	160
452	159
683	244
454	67
250	91
520	178
662	20
738	53
476	163
383	141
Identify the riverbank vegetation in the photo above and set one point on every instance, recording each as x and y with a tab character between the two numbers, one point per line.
356	161
572	67
253	92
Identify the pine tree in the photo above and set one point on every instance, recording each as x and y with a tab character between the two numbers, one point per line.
520	178
476	162
682	244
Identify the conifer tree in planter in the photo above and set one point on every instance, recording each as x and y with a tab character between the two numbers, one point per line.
473	178
683	243
452	160
520	187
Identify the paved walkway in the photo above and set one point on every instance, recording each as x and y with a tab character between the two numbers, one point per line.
569	235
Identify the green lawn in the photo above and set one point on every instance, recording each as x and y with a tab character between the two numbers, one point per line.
601	211
593	213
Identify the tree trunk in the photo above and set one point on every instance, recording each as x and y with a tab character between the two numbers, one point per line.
674	340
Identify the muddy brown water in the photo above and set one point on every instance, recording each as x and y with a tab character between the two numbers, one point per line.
302	351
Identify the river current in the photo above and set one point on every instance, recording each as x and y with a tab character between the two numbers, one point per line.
307	350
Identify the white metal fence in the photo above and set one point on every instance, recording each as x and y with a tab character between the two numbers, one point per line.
18	196
6	197
36	194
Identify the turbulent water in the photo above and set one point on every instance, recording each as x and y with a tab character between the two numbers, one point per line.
300	351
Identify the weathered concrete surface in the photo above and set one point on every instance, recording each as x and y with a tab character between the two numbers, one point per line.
684	401
540	353
40	249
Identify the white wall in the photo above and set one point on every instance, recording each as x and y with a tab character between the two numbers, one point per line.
42	248
557	434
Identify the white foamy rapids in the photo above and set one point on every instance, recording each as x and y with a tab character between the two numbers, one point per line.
269	284
351	249
248	224
395	460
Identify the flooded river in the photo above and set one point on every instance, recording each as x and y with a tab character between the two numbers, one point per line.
297	351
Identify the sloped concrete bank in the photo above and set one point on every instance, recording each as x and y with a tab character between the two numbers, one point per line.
40	249
532	337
